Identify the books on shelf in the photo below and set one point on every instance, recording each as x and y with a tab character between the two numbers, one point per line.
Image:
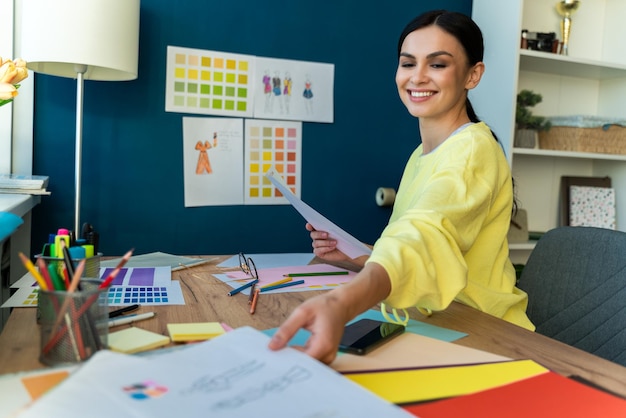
24	184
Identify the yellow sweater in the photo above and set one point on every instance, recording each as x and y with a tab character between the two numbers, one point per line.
446	238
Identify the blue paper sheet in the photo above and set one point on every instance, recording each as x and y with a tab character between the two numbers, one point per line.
8	224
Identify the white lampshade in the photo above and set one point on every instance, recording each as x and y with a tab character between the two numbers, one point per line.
81	39
57	35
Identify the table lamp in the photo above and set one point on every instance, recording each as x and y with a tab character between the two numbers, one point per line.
86	40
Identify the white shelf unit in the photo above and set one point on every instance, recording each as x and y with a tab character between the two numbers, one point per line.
591	80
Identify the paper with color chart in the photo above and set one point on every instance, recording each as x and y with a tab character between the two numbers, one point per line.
239	377
346	243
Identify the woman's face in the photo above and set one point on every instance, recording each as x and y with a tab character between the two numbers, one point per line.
433	74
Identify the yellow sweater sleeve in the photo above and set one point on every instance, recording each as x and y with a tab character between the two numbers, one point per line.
446	238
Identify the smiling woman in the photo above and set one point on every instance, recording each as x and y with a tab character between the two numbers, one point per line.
446	239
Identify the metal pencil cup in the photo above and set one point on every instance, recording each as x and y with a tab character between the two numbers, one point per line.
73	325
92	264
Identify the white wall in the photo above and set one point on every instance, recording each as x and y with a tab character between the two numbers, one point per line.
16	120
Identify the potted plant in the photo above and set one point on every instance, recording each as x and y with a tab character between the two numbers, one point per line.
528	125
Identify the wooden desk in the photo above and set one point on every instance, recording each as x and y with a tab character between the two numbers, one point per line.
206	300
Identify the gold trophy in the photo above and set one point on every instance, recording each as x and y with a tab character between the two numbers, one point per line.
566	9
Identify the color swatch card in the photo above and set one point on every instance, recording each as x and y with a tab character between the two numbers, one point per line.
133	285
140	276
271	145
209	82
146	295
23	297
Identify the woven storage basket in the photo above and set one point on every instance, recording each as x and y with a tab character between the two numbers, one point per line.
567	138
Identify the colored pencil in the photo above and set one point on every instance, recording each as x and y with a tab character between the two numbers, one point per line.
117	269
280	286
320	273
255	299
285	280
244	287
43	270
31	268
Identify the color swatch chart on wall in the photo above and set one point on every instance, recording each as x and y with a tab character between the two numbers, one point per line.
268	144
209	82
144	286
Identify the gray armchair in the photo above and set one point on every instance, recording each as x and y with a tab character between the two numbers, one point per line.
576	284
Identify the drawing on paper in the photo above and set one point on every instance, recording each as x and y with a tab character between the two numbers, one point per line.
204	165
213	146
275	97
280	383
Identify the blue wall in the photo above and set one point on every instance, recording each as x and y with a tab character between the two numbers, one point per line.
132	149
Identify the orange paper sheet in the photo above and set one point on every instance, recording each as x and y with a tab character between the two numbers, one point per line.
547	395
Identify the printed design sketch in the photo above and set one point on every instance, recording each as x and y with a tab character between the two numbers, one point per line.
287	83
224	381
277	384
224	185
274	98
204	165
209	82
308	95
271	144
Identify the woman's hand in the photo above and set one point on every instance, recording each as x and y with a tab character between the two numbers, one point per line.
325	317
325	247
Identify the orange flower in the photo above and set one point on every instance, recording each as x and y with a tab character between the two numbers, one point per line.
7	91
11	73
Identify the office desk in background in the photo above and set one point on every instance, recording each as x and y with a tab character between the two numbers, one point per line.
11	268
206	300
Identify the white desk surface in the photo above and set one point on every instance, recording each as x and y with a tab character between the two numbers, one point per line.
18	204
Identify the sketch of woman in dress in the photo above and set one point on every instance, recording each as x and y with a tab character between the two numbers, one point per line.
203	159
287	83
276	82
308	95
267	90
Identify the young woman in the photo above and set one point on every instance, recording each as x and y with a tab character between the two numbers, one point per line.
446	238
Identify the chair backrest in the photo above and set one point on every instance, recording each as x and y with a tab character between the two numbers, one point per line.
576	284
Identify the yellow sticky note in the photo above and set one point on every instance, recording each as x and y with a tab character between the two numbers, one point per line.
133	340
194	331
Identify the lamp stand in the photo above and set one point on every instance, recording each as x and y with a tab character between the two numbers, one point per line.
80	73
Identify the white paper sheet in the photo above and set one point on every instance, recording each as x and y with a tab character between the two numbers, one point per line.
234	375
346	243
